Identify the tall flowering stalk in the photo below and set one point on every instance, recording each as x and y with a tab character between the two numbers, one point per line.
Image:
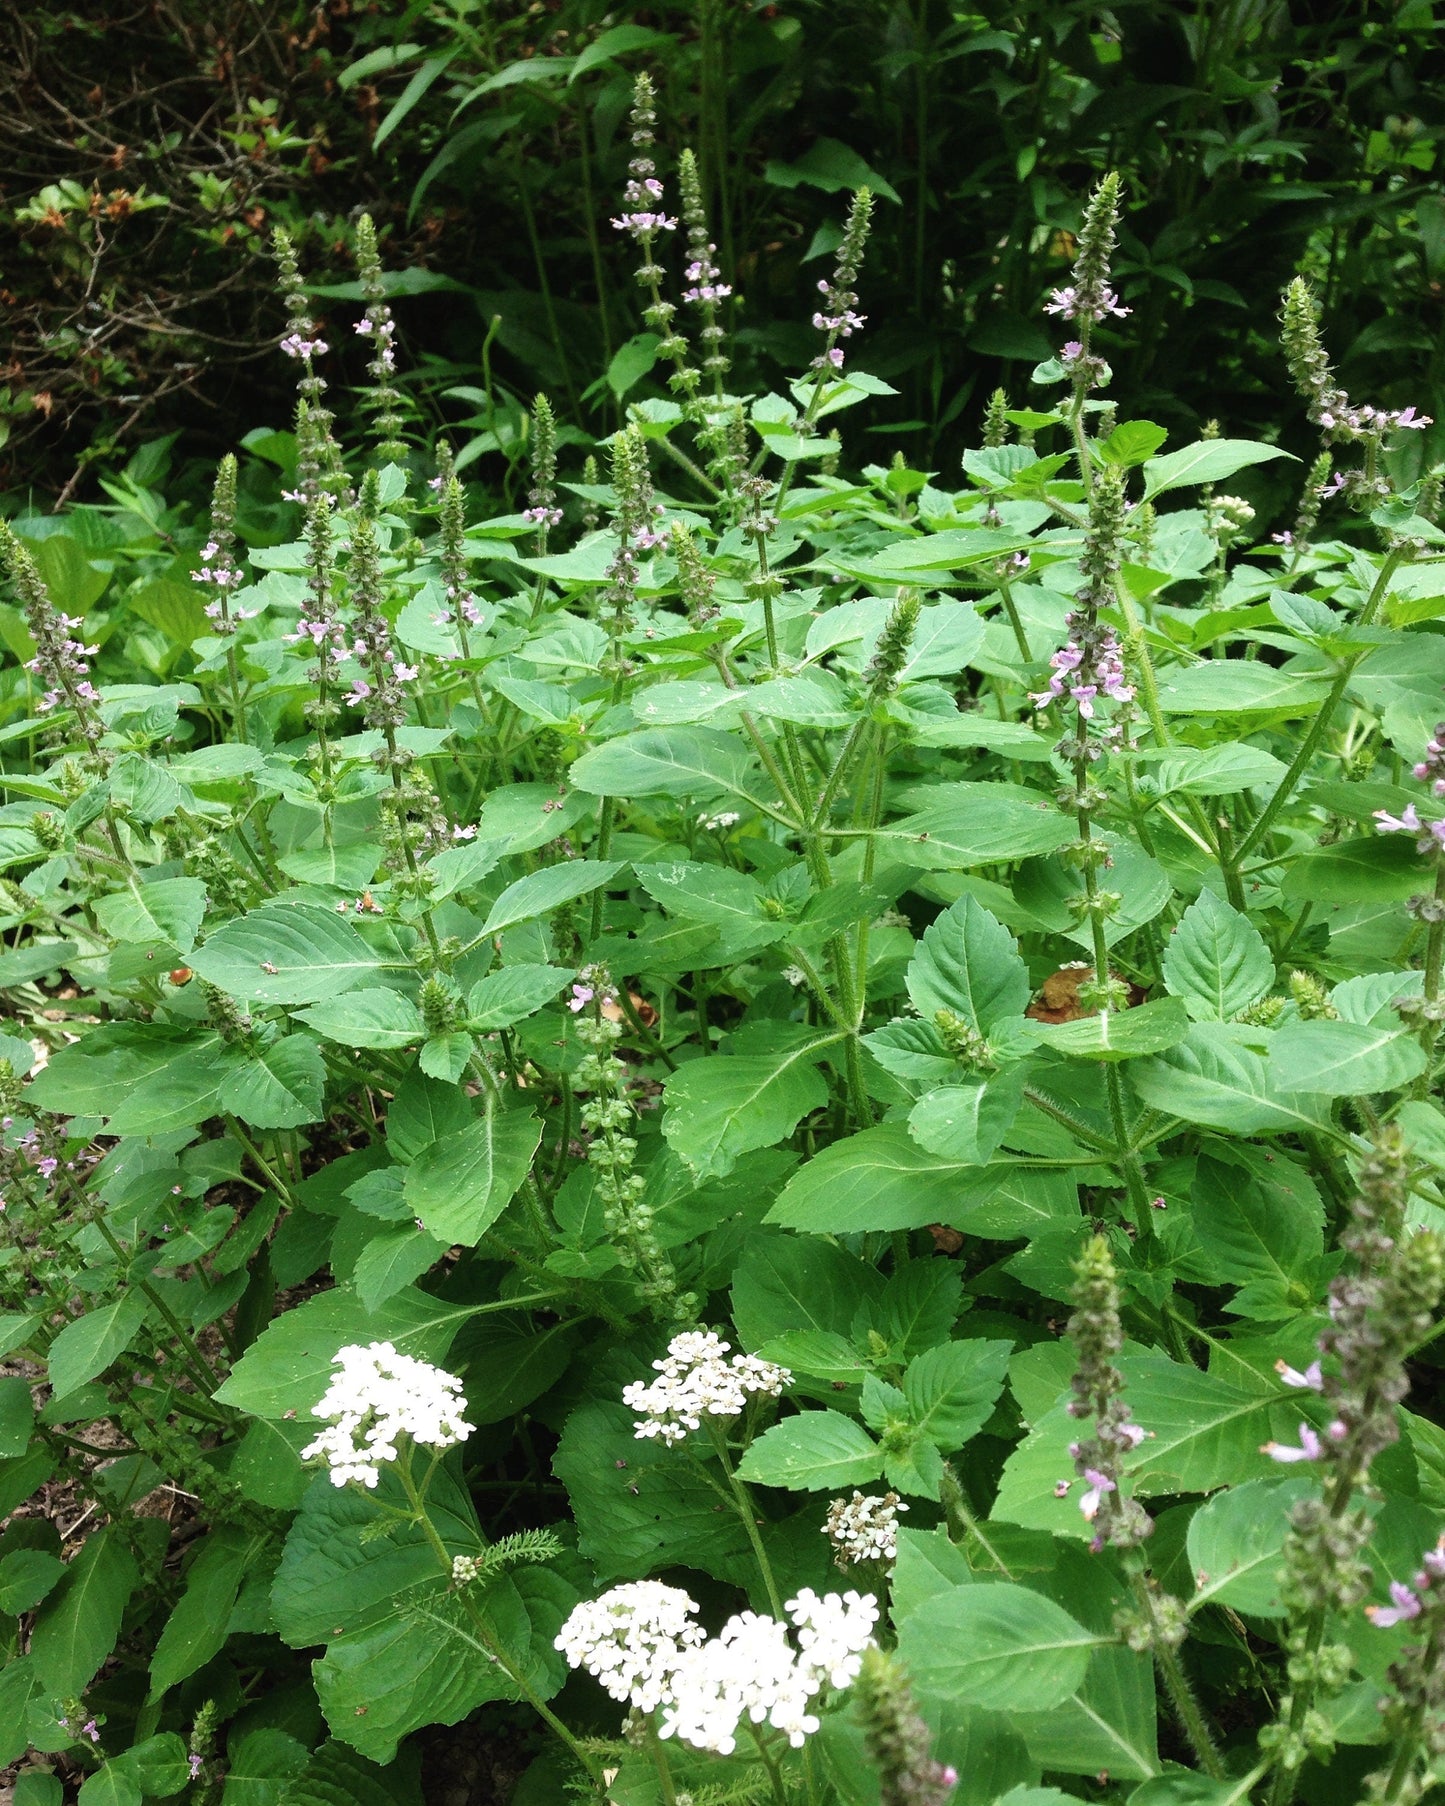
320	631
379	327
221	574
896	1737
1379	1309
1088	300
606	1116
705	286
413	822
1426	907
318	461
62	661
1089	670
1157	1622
1341	421
1414	1709
542	510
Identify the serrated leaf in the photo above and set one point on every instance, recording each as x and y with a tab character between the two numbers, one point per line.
879	1179
1216	961
667	761
967	1121
1236	1546
952	1389
279	1086
969	963
541	892
166	909
80	1621
1213	1078
722	1107
393	1258
285	954
367	1017
1148	1028
87	1345
1344	1059
460	1186
815	1451
512	993
1207	461
998	1645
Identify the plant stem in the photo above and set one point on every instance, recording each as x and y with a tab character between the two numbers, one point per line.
746	1512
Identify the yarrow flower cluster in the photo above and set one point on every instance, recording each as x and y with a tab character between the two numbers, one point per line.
864	1528
377	1397
697	1380
643	1644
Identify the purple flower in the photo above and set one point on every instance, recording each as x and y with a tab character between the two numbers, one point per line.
195	1764
1311	1380
1099	1484
1406	1605
581	996
296	346
461	833
1310	1449
1407	822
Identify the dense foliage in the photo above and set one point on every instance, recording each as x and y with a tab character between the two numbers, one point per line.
566	1068
149	149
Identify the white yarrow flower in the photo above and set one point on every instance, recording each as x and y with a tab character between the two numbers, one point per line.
642	1643
378	1396
632	1640
697	1380
864	1528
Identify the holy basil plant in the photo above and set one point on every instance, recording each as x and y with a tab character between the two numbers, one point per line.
770	1130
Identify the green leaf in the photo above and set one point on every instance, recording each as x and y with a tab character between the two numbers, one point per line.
831	166
423	1664
112	1785
539	893
1217	770
1355	871
1113	1035
638	1508
369	1017
77	1627
1132	442
880	1179
1258	1221
966	1122
620	40
1216	961
995	1644
285	954
17	1416
393	1258
460	1186
73	581
512	993
277	1087
969	963
711	893
337	1776
346	1559
1213	1078
1344	1059
952	1389
196	1628
26	1576
1207	461
88	1344
720	1108
976	824
814	1452
664	761
1233	686
784	1284
166	909
1236	1546
288	1367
